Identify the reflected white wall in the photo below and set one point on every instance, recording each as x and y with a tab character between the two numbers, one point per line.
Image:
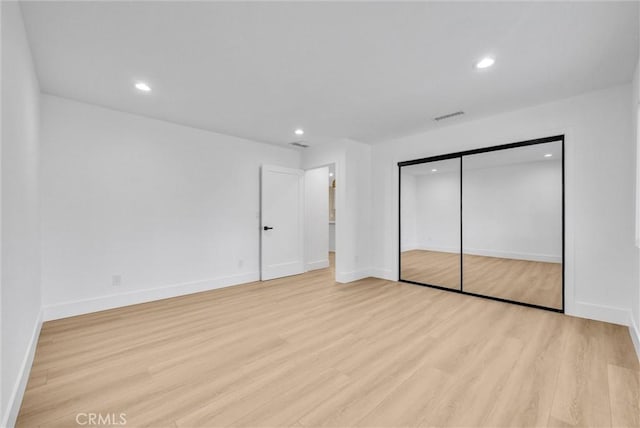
514	211
510	211
438	211
408	231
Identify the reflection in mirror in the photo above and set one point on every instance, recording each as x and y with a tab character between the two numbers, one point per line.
512	224
430	223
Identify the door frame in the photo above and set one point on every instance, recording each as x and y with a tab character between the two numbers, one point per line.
339	204
307	200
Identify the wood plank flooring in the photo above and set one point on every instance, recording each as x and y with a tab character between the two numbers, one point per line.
304	351
525	281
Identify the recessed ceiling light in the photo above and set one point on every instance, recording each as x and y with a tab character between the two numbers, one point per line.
299	131
331	174
548	155
434	170
141	86
485	62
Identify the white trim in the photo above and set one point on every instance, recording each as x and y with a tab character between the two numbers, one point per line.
382	274
345	277
15	400
281	270
318	264
604	313
85	306
569	216
634	332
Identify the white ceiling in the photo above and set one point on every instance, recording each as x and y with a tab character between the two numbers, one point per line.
367	71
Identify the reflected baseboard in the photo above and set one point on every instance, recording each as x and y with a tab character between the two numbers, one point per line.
546	258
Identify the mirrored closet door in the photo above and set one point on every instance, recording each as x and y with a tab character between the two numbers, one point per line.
512	224
430	230
487	222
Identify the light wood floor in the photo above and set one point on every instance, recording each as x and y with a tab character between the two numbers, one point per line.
525	281
304	351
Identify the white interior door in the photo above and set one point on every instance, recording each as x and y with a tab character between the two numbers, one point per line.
316	220
282	218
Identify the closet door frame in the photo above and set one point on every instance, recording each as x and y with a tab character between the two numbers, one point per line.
461	155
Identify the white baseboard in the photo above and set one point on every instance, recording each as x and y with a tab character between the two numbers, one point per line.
345	277
634	331
85	306
383	274
319	264
17	393
604	313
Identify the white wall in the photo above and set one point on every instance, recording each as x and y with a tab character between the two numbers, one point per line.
316	218
169	209
635	111
20	274
353	203
601	259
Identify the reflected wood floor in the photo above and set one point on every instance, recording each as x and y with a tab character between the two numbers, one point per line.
526	281
304	351
431	267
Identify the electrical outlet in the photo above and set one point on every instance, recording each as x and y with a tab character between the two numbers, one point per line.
240	263
116	280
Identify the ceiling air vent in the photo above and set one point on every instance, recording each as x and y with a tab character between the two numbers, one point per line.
299	144
447	116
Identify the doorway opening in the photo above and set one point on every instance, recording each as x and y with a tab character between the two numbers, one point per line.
320	218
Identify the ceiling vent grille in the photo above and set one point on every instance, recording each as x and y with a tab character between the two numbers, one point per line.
448	116
299	144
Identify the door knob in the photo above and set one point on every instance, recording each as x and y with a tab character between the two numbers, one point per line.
268	228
